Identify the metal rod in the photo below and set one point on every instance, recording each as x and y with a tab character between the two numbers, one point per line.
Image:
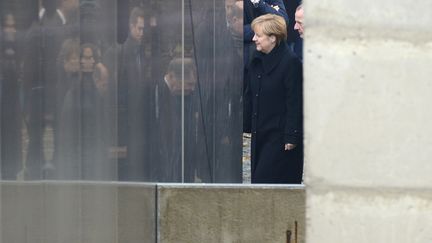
288	236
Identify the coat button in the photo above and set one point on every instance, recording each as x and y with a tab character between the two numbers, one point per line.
259	76
256	95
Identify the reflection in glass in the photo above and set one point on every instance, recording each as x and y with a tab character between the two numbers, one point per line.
107	90
9	92
137	90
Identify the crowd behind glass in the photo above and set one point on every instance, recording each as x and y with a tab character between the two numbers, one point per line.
121	90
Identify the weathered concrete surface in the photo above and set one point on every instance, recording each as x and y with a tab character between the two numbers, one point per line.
84	212
137	213
367	96
386	19
365	109
22	213
230	214
369	216
52	212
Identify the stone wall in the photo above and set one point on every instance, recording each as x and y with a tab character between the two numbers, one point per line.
231	214
367	95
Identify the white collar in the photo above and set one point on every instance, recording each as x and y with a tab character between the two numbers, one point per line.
41	13
166	81
62	17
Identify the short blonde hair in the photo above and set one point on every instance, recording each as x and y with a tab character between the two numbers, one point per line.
271	24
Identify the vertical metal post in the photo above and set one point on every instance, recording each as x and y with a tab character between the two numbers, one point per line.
214	94
183	98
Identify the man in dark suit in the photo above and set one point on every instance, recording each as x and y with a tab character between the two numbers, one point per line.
175	164
298	45
299	16
136	110
293	35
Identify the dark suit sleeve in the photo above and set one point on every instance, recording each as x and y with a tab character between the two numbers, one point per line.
294	93
247	105
265	7
248	33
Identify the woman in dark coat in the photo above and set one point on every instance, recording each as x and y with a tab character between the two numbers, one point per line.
273	105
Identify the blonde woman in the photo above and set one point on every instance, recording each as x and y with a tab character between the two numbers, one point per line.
273	105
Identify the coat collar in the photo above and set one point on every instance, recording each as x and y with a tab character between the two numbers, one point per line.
133	44
271	60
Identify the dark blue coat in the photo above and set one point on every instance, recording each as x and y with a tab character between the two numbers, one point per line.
273	114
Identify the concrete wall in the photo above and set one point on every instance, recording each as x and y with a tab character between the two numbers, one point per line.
52	212
368	92
230	214
70	212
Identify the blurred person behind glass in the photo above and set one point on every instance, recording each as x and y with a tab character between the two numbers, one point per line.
273	105
68	67
84	123
11	121
169	93
229	71
136	105
218	49
56	23
234	17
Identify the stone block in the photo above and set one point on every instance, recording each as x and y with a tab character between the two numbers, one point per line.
366	110
56	211
230	214
369	216
22	212
384	18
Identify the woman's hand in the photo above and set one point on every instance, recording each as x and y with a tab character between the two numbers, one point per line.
289	146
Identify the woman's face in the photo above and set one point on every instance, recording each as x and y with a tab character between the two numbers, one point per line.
264	43
87	60
9	29
72	64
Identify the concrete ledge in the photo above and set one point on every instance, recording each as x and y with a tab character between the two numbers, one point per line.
52	212
230	213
